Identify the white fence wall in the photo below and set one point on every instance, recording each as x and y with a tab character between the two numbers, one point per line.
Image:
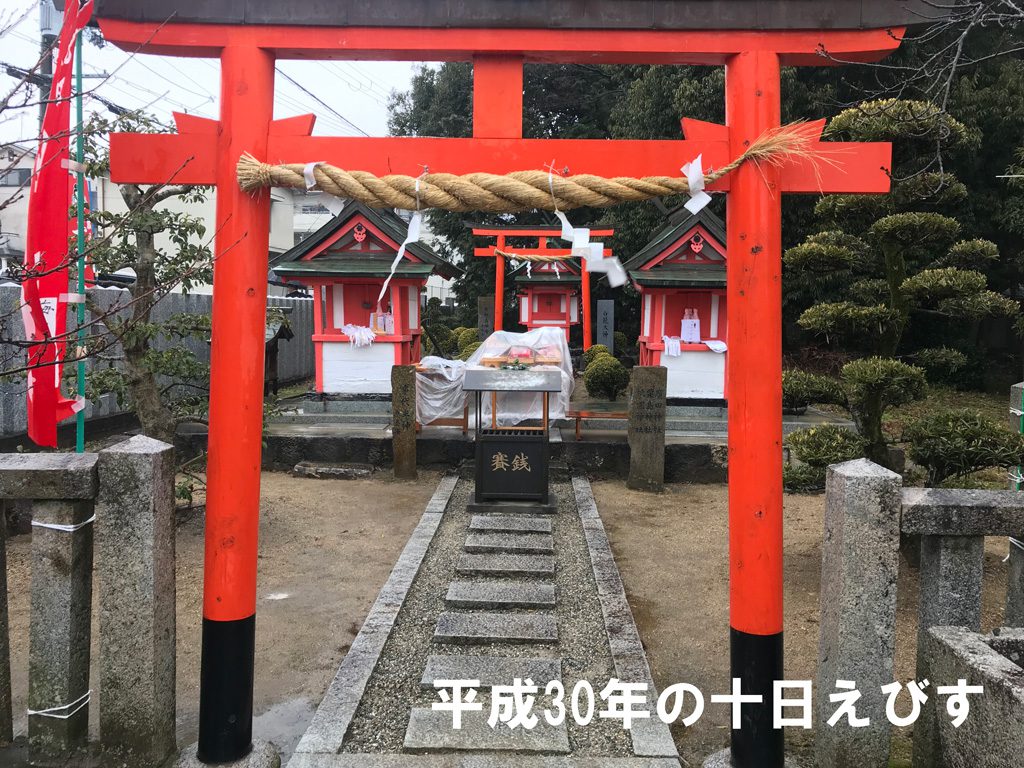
295	357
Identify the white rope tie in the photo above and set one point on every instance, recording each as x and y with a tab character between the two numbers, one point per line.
1013	543
59	713
64	528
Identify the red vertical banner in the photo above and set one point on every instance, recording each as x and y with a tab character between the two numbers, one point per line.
44	292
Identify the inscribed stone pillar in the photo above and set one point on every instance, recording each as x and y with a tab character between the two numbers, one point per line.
950	596
135	558
857	633
606	324
647	428
1015	576
403	420
484	316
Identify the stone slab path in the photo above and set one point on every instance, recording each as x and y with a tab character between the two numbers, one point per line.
490	593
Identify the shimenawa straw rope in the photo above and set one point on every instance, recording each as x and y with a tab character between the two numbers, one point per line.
517	191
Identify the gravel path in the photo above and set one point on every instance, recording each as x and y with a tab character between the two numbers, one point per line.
394	688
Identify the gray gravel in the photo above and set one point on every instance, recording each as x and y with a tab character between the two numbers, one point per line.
394	688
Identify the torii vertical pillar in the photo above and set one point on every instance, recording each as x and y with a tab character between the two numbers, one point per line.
236	407
754	285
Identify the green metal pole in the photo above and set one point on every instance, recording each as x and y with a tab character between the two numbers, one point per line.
80	335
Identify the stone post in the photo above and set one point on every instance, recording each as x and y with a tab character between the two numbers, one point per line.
1015	576
484	316
859	566
606	324
647	428
6	713
135	560
62	487
403	420
950	596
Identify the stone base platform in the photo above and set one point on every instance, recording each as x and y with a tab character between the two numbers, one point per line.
723	759
263	755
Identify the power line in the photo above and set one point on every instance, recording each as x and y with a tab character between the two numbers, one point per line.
319	101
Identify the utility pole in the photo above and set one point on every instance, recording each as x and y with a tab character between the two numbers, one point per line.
49	28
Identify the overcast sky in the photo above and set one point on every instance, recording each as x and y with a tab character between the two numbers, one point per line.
353	94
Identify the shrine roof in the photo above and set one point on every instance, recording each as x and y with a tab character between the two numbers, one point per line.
544	278
571	277
297	260
681	276
346	266
680	222
555	14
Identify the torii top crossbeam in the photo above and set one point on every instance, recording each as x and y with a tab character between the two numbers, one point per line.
752	39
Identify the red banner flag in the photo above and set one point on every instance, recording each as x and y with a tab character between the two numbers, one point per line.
44	294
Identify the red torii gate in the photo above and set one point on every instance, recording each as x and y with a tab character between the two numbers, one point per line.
542	235
206	151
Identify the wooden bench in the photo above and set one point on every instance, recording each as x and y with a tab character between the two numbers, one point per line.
451	421
583	413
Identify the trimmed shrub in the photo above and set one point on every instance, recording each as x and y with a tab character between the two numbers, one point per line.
803	478
872	385
801	388
942	364
957	442
816	448
594	351
605	376
469	350
466	337
621	343
827	444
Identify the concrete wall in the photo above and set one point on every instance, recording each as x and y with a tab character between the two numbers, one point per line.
295	357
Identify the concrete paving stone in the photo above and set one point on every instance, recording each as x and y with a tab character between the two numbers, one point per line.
500	594
511	508
510	523
518	543
506	565
431	730
490	670
470	628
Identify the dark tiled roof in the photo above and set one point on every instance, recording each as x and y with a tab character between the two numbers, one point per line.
676	228
386	221
681	276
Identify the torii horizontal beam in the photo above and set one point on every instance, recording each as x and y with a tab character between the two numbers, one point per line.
189	157
548	46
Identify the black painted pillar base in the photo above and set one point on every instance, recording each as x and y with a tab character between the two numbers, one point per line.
225	690
757	661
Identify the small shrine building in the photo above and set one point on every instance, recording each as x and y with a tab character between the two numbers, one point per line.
549	294
345	264
680	276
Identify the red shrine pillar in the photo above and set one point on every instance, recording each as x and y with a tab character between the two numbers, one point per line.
236	407
754	286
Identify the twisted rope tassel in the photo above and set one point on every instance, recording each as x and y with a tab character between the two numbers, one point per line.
531	257
518	191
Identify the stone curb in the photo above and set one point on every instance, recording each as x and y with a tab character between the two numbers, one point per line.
334	715
651	737
475	761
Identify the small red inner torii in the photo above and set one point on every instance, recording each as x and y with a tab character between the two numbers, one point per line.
558	260
206	152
